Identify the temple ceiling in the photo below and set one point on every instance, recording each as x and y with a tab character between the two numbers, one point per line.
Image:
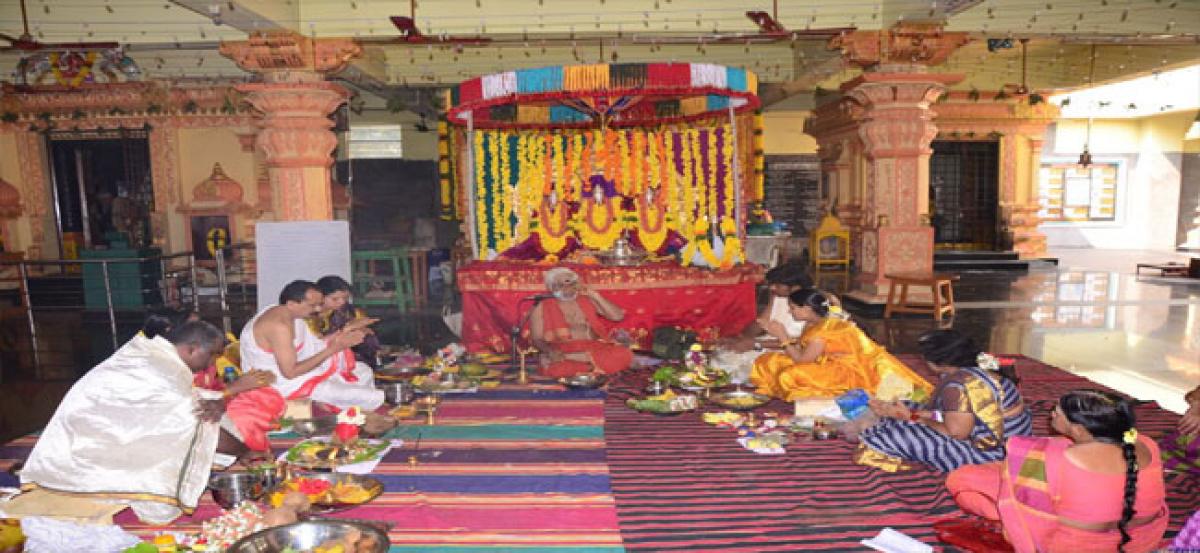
179	39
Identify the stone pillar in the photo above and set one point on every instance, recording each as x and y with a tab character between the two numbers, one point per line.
295	133
884	115
896	129
1021	218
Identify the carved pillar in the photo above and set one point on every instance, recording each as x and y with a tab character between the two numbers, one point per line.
295	134
1021	216
896	131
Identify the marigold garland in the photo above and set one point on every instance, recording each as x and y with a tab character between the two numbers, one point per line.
694	182
711	182
652	233
600	235
481	214
729	182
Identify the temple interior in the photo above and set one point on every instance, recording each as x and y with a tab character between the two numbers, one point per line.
1023	173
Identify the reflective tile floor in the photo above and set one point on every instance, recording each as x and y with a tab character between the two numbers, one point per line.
1090	315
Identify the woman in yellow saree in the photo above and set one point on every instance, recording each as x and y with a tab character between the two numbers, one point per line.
830	357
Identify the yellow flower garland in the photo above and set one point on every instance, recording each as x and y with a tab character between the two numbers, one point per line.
497	190
482	232
687	209
729	181
711	181
600	235
697	183
553	241
652	234
622	181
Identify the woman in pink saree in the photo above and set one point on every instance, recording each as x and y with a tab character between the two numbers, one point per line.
1099	488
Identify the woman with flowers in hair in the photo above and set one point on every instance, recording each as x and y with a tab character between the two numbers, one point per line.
973	409
830	357
1096	487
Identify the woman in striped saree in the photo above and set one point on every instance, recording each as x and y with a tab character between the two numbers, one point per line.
969	415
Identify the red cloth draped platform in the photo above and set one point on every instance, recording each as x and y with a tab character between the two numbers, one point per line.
713	303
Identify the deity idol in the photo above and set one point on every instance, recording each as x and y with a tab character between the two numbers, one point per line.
652	231
601	225
550	233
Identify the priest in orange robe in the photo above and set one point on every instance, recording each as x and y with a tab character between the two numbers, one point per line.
570	332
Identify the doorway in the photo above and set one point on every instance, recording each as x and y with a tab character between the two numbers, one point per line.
964	181
102	188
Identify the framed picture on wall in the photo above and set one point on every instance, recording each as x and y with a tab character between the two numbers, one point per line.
209	232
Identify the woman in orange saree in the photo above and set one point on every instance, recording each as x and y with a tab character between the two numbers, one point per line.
1098	489
830	357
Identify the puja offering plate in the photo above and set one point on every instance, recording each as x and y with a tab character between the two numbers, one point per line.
328	492
394	372
740	400
585	381
667	403
447	383
322	454
315	536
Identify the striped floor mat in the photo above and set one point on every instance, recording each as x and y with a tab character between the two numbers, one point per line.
511	469
682	485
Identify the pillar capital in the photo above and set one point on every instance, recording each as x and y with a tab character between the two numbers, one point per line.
289	57
296	140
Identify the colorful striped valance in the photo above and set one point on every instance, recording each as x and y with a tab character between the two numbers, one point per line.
623	95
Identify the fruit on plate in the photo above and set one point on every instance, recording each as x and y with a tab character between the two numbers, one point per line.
472	369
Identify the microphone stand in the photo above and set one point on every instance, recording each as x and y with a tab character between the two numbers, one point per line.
515	334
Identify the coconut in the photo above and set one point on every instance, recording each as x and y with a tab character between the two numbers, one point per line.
297	502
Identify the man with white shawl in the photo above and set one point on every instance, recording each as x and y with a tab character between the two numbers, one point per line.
133	430
307	366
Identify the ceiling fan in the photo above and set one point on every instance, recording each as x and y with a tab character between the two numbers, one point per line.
26	42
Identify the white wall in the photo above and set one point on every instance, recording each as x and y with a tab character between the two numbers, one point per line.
1150	149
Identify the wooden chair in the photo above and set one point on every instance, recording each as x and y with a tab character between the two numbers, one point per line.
940	286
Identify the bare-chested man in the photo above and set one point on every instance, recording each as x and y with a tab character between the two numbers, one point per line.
569	332
306	365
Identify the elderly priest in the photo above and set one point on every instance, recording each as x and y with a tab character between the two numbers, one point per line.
133	430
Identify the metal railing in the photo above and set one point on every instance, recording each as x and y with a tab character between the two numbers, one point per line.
178	284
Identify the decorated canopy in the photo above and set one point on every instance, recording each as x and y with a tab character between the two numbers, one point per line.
604	95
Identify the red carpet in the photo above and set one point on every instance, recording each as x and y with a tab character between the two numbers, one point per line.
682	485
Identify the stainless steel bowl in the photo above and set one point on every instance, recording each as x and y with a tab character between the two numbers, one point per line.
396	393
304	536
740	400
230	488
585	381
319	426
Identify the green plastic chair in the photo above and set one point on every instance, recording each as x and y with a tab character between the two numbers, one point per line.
367	270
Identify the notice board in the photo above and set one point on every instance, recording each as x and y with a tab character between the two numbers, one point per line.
294	250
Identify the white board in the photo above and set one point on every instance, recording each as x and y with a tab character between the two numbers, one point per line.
305	250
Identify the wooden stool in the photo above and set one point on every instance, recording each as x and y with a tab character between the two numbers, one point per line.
940	285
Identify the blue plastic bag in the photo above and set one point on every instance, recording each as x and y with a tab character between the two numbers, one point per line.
853	403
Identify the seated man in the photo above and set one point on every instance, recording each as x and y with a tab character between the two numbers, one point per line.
133	431
305	365
569	332
739	352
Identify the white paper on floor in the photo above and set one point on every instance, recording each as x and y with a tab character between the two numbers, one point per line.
892	541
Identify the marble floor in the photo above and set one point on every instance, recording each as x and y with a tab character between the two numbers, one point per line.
1090	315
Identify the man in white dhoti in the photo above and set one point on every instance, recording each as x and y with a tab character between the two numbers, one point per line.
133	430
278	340
739	352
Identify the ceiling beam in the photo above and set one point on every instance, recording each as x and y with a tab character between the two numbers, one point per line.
247	16
773	93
